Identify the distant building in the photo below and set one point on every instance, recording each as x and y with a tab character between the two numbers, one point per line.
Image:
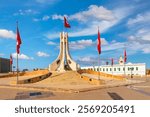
121	68
5	66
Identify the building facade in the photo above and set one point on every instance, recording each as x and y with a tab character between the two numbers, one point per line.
5	66
138	69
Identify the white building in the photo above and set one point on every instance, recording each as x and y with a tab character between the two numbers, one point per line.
121	68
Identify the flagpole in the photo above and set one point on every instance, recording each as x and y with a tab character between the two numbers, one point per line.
112	70
125	63
17	69
17	58
124	70
10	67
99	52
99	67
112	63
63	26
10	64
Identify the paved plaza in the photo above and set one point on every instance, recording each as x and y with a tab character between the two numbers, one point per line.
133	92
70	86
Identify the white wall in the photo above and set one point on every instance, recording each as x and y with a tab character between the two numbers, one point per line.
138	69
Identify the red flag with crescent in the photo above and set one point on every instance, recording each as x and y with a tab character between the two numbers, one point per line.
18	39
66	23
99	43
125	56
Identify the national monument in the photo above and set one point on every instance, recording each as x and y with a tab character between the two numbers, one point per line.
64	62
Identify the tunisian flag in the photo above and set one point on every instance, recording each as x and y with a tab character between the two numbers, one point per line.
66	24
99	43
125	56
18	38
11	60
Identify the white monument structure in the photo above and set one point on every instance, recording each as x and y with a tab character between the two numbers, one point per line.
64	61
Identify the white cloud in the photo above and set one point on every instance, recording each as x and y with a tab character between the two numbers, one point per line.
146	49
94	12
138	45
51	43
55	16
81	44
86	59
26	12
132	46
8	34
104	41
52	35
140	18
45	18
36	19
141	35
93	17
89	60
139	28
1	54
42	54
113	46
22	56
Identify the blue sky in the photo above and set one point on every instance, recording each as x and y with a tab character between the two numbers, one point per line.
122	23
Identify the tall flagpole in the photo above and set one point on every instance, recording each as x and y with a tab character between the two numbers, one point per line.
99	67
17	55
124	62
124	69
63	25
10	67
17	69
112	70
99	52
10	63
112	66
18	39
